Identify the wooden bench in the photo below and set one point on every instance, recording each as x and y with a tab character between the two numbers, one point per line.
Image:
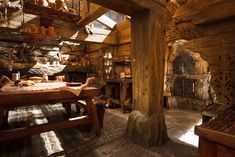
214	110
9	100
217	137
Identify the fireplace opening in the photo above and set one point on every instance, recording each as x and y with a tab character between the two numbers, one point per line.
187	79
184	64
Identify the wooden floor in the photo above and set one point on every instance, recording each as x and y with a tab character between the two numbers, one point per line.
112	143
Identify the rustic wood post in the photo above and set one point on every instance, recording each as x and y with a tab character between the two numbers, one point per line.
146	124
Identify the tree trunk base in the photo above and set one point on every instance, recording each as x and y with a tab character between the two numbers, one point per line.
147	131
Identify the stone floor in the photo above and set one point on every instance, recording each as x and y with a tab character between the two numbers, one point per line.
183	142
112	143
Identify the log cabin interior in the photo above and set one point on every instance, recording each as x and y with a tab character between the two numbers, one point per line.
115	78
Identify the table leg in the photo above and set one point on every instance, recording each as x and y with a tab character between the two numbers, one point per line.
5	118
101	112
108	93
93	113
78	108
1	118
67	107
123	89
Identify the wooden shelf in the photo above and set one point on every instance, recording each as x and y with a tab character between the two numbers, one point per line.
50	13
121	60
15	36
52	70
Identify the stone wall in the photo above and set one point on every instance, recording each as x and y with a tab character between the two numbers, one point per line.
187	78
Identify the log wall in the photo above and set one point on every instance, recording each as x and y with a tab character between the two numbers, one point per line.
214	40
124	38
122	49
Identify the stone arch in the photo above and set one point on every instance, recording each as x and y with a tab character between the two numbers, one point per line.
178	49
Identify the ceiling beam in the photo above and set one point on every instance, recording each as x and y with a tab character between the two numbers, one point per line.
157	5
204	12
122	6
130	7
93	15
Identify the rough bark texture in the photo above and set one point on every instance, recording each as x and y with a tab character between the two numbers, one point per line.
146	124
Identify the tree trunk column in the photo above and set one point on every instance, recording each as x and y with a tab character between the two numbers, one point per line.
146	124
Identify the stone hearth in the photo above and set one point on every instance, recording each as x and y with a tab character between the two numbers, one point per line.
187	79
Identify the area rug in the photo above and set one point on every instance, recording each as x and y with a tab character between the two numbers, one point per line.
62	142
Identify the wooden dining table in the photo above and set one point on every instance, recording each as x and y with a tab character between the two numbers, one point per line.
47	93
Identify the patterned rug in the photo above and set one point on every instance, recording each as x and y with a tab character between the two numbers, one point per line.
62	142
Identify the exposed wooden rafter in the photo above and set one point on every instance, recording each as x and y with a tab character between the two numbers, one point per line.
123	6
93	15
130	7
208	11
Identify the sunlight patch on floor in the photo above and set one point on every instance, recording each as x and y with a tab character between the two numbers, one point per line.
189	137
52	143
